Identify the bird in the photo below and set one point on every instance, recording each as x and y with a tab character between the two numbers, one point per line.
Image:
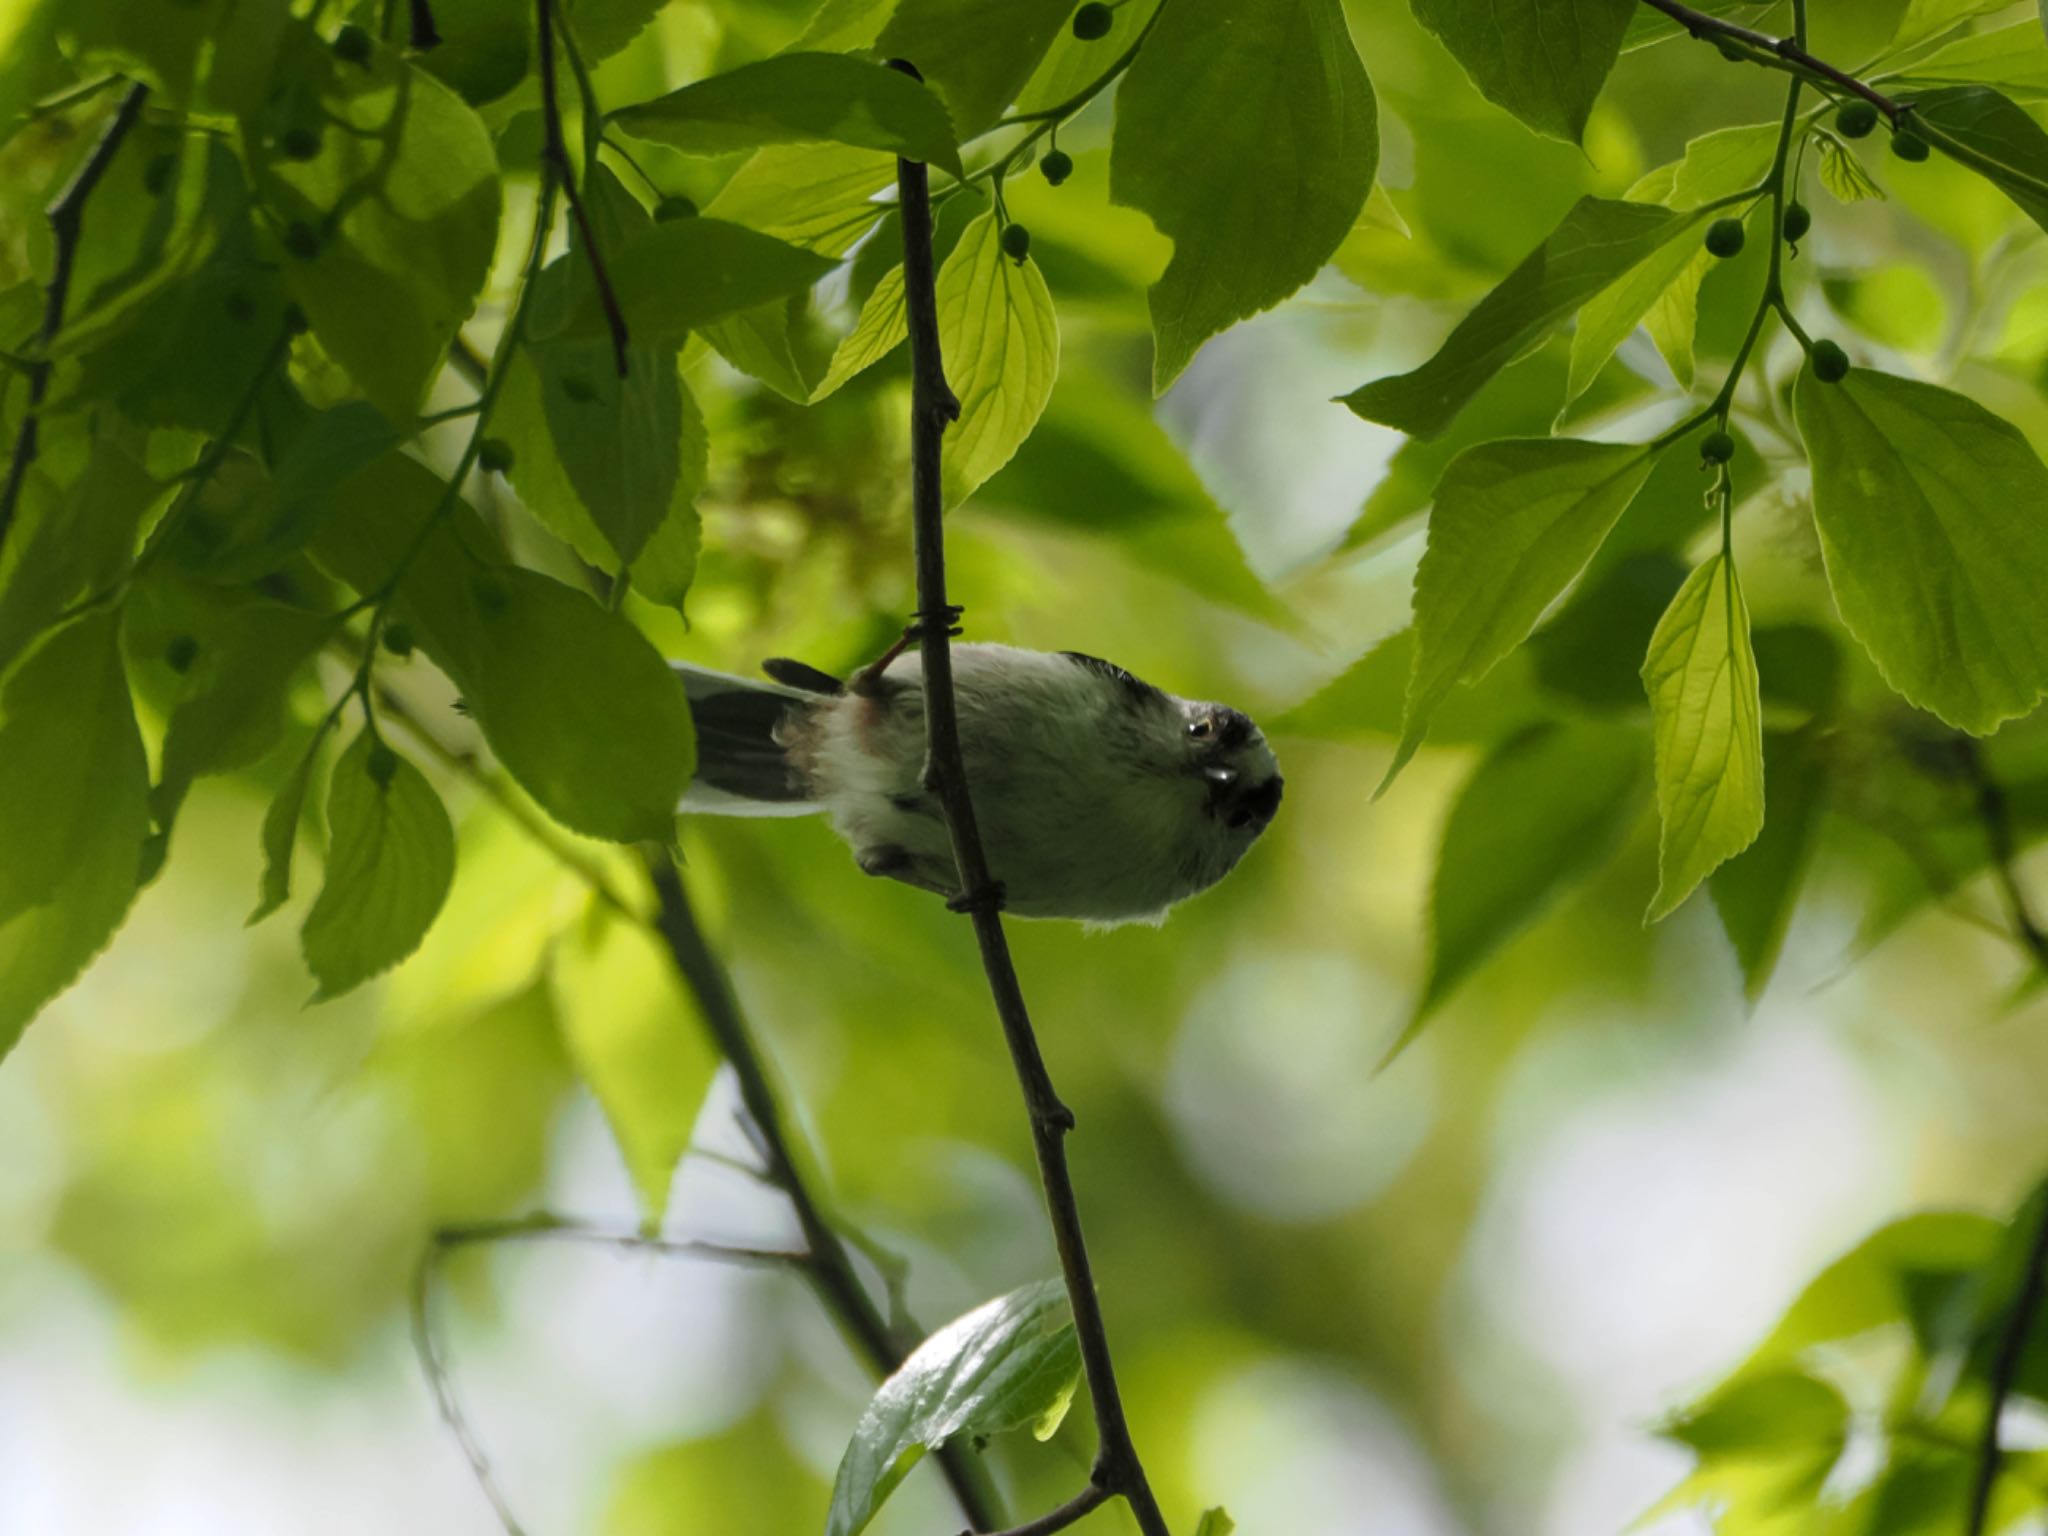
1099	797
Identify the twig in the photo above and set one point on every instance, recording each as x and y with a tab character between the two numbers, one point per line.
2005	1369
1083	1503
542	1226
827	1262
831	1266
555	148
67	218
1996	817
1788	51
1117	1470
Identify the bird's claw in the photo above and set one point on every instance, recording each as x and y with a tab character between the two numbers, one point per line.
990	897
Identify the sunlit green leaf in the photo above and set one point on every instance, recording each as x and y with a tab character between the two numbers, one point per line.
1008	1364
677	276
1701	677
1254	158
1756	891
1544	61
817	196
402	203
1924	19
1926	503
1000	343
1597	243
617	439
796	98
281	828
1537	814
1842	173
1514	523
882	323
1215	1522
1611	316
390	859
2014	58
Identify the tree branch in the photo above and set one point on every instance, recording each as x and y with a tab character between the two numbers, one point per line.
1118	1470
2005	1369
67	218
825	1259
1070	1513
1784	52
555	149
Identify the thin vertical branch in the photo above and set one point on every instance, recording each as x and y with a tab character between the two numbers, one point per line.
555	149
67	221
2005	1369
830	1265
1117	1470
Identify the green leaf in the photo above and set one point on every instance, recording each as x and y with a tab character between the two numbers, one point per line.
1672	322
769	342
679	276
817	196
1755	892
1707	718
2013	57
976	55
390	859
281	827
233	711
1366	700
1515	522
1990	133
1924	19
1542	60
404	194
1766	1445
635	1037
1539	812
800	98
1009	1363
1928	510
1215	1522
1714	165
1000	342
74	810
1842	173
1598	241
603	27
579	706
1612	315
1254	158
618	440
882	324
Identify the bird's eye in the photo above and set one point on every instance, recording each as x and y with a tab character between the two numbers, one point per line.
1203	728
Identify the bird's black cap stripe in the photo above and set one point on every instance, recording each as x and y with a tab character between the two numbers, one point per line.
1136	687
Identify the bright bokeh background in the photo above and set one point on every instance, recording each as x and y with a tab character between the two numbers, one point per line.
1455	1296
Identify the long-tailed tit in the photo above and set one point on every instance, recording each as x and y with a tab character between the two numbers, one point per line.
1099	797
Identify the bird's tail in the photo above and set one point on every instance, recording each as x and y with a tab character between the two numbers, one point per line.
742	767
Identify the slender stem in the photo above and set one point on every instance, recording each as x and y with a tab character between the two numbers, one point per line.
1072	1512
555	149
2005	1369
1784	52
1995	815
1117	1469
67	222
826	1260
831	1266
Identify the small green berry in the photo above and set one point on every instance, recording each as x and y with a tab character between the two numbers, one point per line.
301	240
352	45
383	764
1093	21
1016	241
1718	448
1057	166
159	173
675	206
1797	221
1856	119
1724	237
1909	146
397	639
494	456
1830	362
181	653
299	143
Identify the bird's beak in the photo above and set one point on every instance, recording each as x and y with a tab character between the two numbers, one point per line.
1220	775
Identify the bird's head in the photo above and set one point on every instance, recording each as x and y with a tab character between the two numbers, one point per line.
1239	774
